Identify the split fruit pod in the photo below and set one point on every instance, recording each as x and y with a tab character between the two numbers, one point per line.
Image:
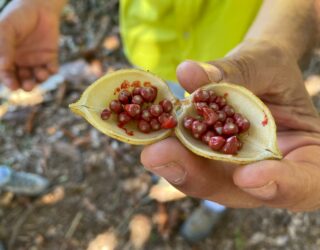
254	143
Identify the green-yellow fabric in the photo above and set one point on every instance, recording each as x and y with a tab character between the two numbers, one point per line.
158	34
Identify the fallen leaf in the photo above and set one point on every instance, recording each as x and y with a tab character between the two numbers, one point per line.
104	241
53	197
111	43
6	198
163	191
140	229
313	85
161	219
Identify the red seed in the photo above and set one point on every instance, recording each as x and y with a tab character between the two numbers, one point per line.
230	129
169	122
132	109
206	137
228	110
221	101
212	96
144	126
216	142
199	107
221	116
237	116
123	118
146	115
124	96
229	120
201	96
148	94
115	106
187	122
166	105
243	124
210	117
136	91
105	114
155	125
155	93
231	145
156	110
163	117
137	99
199	127
218	126
214	106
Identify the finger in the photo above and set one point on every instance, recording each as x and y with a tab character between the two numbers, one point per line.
28	85
238	69
24	73
41	73
7	67
193	175
53	67
192	74
9	79
289	183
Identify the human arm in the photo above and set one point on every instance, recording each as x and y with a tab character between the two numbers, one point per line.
29	32
266	62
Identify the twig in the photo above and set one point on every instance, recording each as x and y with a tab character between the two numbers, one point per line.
74	224
30	121
18	225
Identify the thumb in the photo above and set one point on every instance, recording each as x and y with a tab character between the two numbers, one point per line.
7	65
192	74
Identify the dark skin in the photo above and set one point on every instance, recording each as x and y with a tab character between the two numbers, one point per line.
290	183
265	63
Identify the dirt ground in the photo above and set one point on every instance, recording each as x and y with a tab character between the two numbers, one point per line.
99	186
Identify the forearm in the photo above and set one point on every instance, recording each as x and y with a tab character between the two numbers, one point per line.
287	23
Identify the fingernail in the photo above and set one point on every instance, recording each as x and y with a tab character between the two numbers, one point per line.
172	172
266	192
214	74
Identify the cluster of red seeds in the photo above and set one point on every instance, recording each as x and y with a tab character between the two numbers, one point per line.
138	105
217	125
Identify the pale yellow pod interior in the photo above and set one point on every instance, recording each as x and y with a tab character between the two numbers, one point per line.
259	142
98	96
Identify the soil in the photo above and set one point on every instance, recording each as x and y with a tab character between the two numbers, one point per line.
98	184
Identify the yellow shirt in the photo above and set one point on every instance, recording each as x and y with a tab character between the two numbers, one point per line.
158	34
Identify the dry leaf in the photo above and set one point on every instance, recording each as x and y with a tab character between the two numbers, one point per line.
111	43
163	191
161	219
104	241
140	229
6	198
96	68
55	196
313	85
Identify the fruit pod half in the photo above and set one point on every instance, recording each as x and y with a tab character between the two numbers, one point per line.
99	95
259	142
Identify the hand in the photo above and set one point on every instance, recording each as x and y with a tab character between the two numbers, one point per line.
29	32
292	183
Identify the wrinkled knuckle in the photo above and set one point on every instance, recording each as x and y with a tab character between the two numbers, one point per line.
241	68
